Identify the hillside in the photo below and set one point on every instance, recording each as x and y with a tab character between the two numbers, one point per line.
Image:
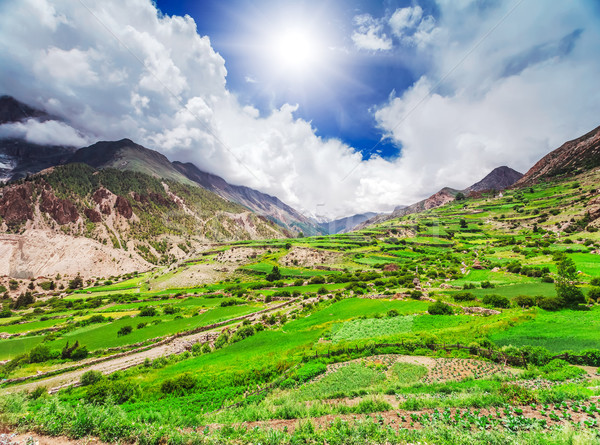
571	158
260	203
498	179
134	219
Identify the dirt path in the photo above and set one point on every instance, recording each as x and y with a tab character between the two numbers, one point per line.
176	346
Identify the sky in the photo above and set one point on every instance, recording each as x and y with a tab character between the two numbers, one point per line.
336	107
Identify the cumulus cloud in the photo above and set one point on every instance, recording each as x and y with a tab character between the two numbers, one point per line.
369	34
49	132
529	86
411	27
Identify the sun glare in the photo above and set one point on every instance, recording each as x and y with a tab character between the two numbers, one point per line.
294	51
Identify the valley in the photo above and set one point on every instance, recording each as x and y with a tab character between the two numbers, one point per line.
445	325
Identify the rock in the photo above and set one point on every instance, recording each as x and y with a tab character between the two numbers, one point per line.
92	215
100	195
62	211
16	204
123	207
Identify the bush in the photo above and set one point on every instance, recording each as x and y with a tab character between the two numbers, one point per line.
463	296
416	294
148	311
497	301
524	301
550	303
221	340
322	290
594	293
439	308
90	377
170	310
487	285
595	281
231	302
39	354
179	385
274	275
393	313
80	353
125	330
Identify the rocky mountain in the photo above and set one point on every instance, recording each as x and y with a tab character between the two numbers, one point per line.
571	158
261	203
498	179
343	225
19	158
75	219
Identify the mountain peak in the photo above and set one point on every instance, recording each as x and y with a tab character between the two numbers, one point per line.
498	179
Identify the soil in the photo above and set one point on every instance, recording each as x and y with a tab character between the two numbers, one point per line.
305	257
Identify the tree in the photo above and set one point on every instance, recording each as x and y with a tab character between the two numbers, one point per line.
460	196
566	289
274	275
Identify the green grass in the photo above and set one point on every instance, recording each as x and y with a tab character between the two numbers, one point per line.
372	328
556	331
344	382
408	373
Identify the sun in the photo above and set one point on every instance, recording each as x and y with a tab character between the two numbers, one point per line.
294	50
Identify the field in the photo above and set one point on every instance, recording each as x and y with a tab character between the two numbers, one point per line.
459	332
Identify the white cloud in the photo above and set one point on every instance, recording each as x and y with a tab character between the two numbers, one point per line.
48	132
369	34
526	89
411	27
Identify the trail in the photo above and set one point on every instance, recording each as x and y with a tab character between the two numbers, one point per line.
177	345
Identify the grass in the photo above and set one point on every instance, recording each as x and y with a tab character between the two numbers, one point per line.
372	328
408	373
556	331
345	382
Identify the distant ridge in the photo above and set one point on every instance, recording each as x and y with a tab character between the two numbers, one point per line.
571	158
343	225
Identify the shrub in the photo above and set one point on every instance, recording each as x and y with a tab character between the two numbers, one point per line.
179	385
274	275
170	309
549	303
322	290
416	294
39	354
439	308
463	296
497	301
147	311
221	340
524	301
80	353
90	377
393	313
594	293
231	302
125	330
595	281
487	285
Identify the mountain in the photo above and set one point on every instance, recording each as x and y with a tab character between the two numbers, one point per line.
11	110
261	203
19	158
571	158
75	219
343	225
498	179
127	155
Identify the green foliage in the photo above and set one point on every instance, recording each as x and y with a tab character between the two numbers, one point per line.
463	296
566	289
524	301
125	330
39	354
497	301
90	378
439	308
179	385
274	275
148	311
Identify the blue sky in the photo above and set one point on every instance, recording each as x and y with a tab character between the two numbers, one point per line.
337	97
291	97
